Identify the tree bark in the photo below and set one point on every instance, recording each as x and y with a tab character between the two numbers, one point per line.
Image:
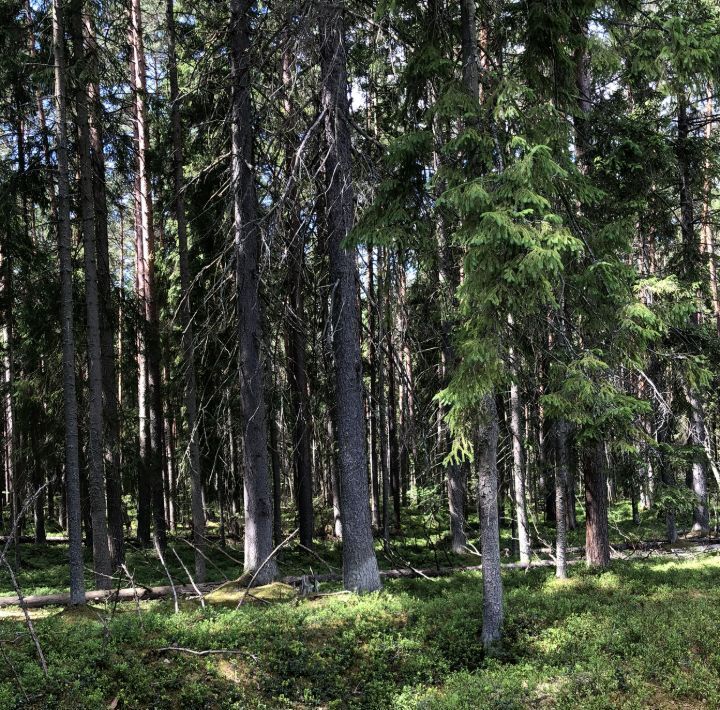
72	461
518	466
360	568
374	443
297	370
96	473
197	507
699	440
489	527
561	502
152	332
258	503
597	542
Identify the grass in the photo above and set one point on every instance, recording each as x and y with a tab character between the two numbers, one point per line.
644	634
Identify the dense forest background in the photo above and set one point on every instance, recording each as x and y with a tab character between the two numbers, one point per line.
335	275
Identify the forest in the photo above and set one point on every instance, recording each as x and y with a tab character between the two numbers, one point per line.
359	354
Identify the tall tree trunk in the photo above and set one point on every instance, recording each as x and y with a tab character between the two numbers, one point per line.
144	503
258	503
597	544
708	238
72	461
111	414
374	395
152	330
297	371
197	507
394	461
96	473
360	568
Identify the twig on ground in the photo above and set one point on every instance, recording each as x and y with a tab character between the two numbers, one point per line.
167	572
28	620
192	581
135	594
208	652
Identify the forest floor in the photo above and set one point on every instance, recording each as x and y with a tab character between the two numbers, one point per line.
644	634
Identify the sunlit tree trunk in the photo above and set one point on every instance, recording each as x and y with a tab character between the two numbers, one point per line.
151	343
360	568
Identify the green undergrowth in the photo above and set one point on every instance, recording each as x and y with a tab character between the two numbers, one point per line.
422	542
644	634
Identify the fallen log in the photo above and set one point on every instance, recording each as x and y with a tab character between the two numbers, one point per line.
36	601
147	593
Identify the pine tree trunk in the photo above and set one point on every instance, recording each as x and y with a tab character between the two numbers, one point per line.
360	568
197	507
151	343
72	461
597	542
258	503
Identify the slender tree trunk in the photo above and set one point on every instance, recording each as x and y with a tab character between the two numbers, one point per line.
360	568
296	324
374	396
276	476
699	440
143	461
96	473
111	415
561	502
197	507
151	341
72	461
258	503
518	455
394	462
708	238
489	528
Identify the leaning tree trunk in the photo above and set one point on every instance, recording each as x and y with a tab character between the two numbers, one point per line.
197	506
96	473
258	503
72	459
360	568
